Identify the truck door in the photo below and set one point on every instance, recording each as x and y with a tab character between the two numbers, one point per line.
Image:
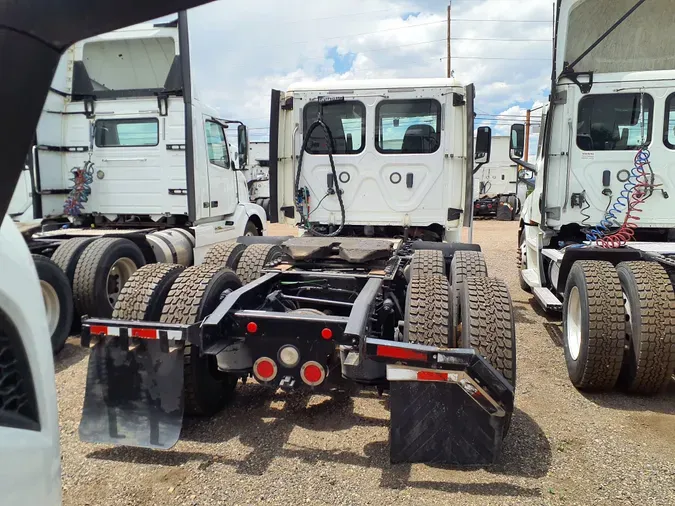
221	176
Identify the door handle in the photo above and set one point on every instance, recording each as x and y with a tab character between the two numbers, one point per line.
124	159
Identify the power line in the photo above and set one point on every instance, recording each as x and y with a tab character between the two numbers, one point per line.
503	20
502	40
352	35
494	58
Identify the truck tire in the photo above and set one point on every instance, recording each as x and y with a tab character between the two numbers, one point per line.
464	264
66	257
521	258
488	324
649	360
68	253
427	263
255	258
427	311
594	325
58	299
194	295
251	229
504	211
225	254
142	298
512	201
103	269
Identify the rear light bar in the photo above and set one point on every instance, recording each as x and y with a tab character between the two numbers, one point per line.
130	330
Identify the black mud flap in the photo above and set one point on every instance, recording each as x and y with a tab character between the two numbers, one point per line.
438	423
133	398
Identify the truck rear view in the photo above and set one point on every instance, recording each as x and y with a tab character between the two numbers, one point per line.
421	319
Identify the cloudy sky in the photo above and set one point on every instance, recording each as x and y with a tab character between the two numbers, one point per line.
241	50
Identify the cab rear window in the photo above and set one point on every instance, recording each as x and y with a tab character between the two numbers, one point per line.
136	132
347	123
408	126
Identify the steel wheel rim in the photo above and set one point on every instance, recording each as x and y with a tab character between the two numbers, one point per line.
573	327
523	256
52	306
118	275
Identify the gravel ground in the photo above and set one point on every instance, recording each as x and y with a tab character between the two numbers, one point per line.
564	447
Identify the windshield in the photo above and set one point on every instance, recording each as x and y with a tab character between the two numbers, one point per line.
642	42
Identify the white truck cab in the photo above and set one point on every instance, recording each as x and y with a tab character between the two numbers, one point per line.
125	102
402	151
597	235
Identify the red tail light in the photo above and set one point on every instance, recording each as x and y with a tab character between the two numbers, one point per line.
312	373
252	327
327	333
265	369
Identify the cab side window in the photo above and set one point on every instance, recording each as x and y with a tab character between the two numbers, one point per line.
217	145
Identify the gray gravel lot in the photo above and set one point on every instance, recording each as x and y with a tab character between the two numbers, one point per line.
564	447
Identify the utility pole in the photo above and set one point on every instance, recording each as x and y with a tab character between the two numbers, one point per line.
449	31
527	136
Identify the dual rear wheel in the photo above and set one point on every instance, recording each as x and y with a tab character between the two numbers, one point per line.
619	326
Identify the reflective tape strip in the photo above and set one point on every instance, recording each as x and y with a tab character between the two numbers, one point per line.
144	333
402	373
174	335
135	332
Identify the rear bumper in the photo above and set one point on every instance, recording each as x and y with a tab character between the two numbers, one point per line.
447	405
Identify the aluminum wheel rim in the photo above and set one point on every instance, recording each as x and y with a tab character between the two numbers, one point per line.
118	275
573	328
52	306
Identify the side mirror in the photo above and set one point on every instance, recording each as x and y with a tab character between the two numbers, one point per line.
483	145
517	140
242	136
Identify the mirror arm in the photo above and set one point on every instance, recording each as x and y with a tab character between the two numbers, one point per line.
524	164
478	166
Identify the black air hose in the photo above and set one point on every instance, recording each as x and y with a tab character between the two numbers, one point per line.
331	149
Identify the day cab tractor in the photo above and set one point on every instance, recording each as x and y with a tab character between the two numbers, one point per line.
359	298
128	167
597	235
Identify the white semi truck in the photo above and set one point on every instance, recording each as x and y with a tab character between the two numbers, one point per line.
360	297
130	167
597	235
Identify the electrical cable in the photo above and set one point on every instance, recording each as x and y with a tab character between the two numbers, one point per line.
330	145
82	179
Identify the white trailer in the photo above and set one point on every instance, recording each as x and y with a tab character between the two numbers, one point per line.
597	235
130	167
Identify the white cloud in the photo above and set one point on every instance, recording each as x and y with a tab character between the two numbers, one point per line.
242	50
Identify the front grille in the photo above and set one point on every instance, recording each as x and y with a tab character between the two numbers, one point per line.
18	404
